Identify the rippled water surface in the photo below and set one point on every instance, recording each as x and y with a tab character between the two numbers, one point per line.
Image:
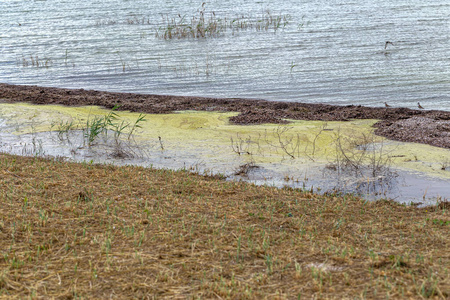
322	51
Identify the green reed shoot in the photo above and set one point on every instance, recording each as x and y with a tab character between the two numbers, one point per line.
136	125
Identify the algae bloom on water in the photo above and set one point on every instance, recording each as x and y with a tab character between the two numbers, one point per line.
307	154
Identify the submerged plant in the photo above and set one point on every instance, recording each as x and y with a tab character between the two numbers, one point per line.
289	144
293	65
35	61
62	127
244	145
364	159
206	24
93	129
111	123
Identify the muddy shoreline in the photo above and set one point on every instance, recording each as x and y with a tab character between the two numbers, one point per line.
430	127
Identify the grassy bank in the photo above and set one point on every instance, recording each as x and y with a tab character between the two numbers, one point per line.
72	230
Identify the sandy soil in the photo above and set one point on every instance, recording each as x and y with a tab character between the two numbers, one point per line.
402	124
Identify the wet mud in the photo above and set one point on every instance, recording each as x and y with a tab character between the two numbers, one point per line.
429	127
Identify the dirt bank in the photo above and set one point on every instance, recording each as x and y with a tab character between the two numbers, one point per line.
402	124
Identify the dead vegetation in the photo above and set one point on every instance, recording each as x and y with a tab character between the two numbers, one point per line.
362	164
96	231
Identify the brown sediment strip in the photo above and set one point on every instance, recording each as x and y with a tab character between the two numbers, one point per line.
430	127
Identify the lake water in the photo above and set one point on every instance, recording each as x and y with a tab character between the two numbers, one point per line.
322	51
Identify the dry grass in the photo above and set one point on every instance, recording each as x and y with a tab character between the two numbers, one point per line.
95	231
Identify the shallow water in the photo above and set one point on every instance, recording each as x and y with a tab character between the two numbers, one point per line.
205	143
404	187
329	51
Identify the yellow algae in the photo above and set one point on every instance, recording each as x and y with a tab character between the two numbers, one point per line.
30	118
421	158
212	135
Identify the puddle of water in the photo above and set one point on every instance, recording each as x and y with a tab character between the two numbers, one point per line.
206	143
403	187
